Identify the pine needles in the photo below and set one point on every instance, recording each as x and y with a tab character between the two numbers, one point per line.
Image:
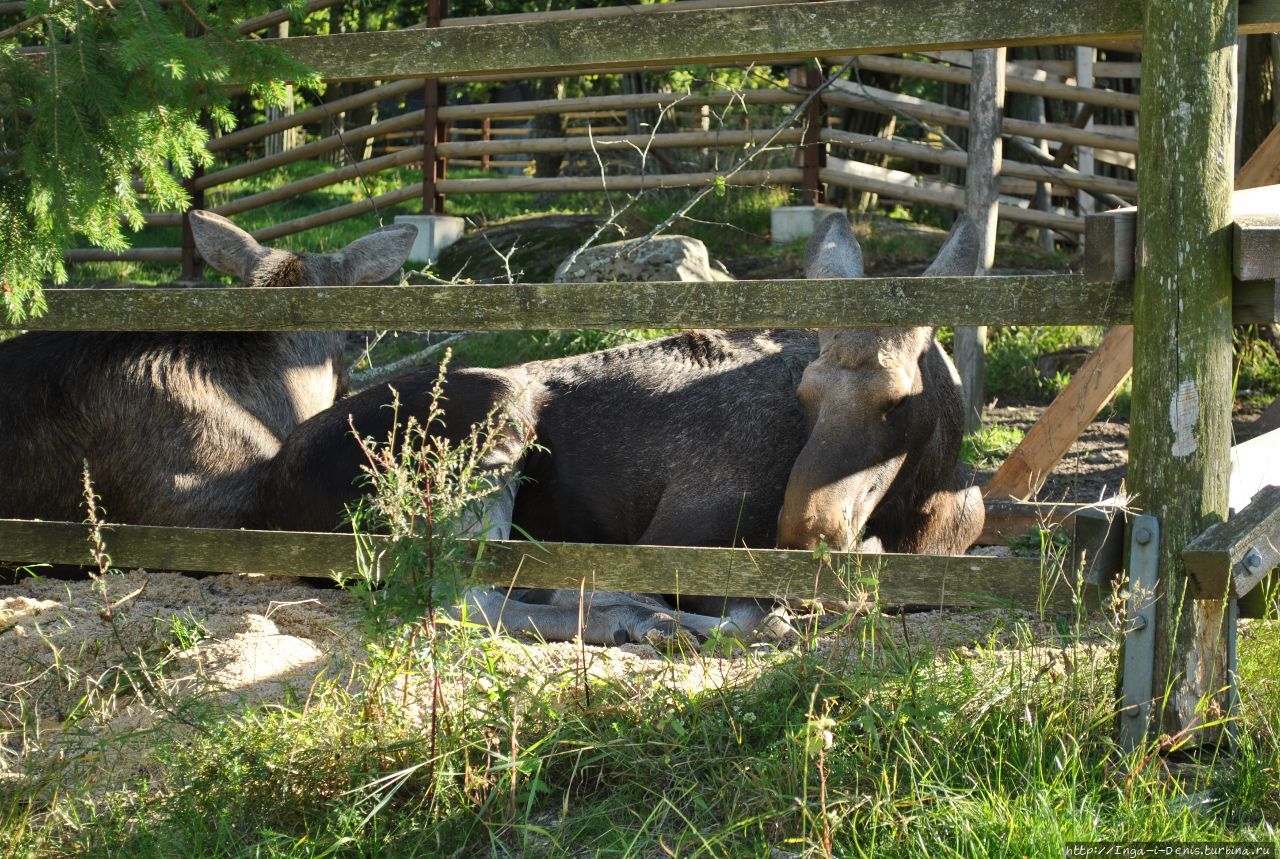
101	104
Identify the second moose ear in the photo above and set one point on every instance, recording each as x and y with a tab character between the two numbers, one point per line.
378	255
958	256
833	250
223	245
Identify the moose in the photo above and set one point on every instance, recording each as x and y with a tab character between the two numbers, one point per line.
175	428
706	438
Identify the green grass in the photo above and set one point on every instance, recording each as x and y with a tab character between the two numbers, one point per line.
990	445
886	748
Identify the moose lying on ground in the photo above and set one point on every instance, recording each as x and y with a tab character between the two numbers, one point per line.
177	429
706	438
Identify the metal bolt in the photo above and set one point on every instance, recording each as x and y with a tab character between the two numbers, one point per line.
1139	624
1253	560
1133	711
1143	536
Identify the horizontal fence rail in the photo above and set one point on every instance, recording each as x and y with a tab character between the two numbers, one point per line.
931	580
779	32
761	33
876	301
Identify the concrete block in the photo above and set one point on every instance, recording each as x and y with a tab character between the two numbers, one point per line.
435	233
789	223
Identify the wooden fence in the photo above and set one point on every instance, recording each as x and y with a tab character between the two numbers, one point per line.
1179	303
1040	188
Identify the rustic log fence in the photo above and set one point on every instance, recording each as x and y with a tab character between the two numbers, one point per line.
434	135
1179	296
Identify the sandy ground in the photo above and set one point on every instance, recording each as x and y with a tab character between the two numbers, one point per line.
91	689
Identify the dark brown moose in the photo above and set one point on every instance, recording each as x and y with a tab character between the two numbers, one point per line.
177	429
698	439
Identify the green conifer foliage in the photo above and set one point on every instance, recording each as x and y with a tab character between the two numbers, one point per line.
98	94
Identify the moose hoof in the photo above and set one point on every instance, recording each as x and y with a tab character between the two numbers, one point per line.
776	629
668	636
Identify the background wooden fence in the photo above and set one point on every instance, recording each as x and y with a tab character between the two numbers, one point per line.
1054	171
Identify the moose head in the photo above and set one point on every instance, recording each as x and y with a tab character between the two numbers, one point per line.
884	412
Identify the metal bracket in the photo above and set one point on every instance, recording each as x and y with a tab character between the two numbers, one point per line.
1139	635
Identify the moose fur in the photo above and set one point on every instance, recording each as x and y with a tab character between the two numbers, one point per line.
701	438
175	429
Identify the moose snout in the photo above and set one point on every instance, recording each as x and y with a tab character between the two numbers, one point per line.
809	518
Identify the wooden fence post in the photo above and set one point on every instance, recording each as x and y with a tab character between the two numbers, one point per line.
982	199
485	134
1181	432
192	265
813	149
434	132
1084	154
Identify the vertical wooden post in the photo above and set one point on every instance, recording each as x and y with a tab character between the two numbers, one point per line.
485	136
1084	154
192	265
982	193
813	150
1181	436
281	141
433	130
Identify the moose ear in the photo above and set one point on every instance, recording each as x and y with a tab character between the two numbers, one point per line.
223	245
833	251
378	255
958	256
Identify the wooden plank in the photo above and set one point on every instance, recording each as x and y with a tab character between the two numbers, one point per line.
875	100
768	33
899	579
957	158
780	176
981	207
900	185
1013	82
1006	520
1257	247
1263	166
289	190
352	137
1232	557
625	142
890	301
655	100
128	254
311	114
1091	387
1179	465
1255	465
1110	239
1258	17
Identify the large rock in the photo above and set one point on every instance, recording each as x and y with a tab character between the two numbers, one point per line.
661	258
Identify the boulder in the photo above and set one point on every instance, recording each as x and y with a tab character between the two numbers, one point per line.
661	258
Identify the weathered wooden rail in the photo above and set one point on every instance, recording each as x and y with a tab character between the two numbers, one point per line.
1024	583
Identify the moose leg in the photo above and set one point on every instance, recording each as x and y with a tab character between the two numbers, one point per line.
606	618
738	617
